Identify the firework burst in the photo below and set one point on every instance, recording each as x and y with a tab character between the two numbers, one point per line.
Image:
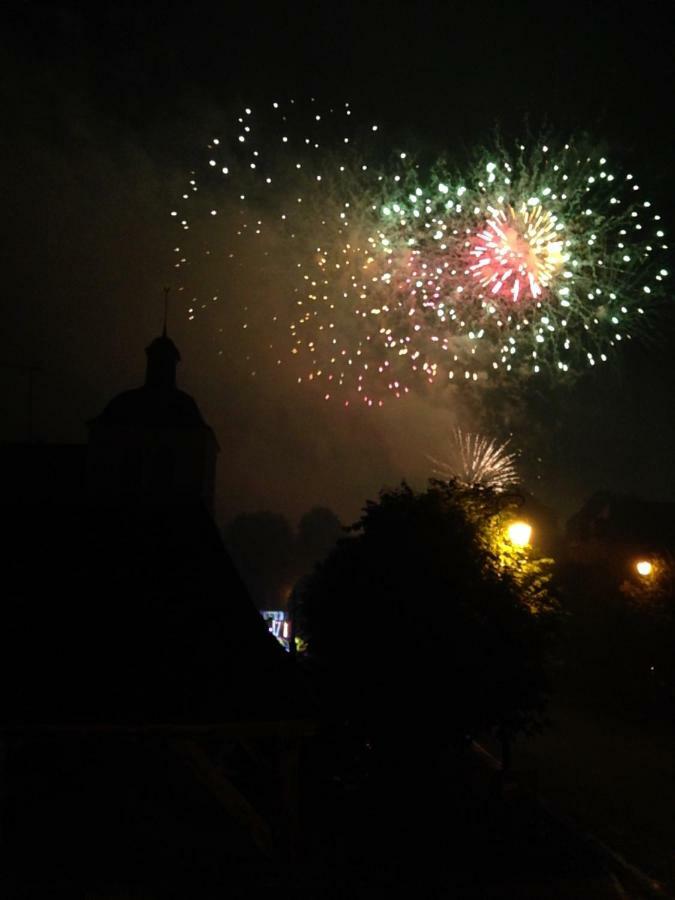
519	251
287	199
531	262
478	460
387	280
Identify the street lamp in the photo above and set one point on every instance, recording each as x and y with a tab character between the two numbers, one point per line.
644	568
519	533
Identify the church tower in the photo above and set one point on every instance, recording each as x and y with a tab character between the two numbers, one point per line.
151	444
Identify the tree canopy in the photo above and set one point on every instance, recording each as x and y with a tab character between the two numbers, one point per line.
426	617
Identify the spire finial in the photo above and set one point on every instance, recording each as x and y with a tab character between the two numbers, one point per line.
166	309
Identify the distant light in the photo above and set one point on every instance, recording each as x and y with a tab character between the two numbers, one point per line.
519	533
644	568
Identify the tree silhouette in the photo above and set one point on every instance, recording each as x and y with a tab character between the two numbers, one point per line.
425	623
318	531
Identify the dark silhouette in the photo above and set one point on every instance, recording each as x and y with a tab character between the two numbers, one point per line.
271	558
151	443
131	657
423	640
318	532
620	634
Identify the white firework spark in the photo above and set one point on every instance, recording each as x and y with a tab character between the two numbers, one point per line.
476	459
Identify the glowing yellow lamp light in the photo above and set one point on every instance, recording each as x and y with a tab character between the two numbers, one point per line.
644	568
519	533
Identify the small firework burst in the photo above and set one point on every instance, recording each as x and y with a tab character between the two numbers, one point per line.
479	460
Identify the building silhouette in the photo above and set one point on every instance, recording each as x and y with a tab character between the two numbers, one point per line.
123	615
151	442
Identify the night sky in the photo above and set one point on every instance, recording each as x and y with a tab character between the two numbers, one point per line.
104	107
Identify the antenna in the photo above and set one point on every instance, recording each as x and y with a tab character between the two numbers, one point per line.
166	309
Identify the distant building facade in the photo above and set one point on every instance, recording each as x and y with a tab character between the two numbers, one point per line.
150	605
280	625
